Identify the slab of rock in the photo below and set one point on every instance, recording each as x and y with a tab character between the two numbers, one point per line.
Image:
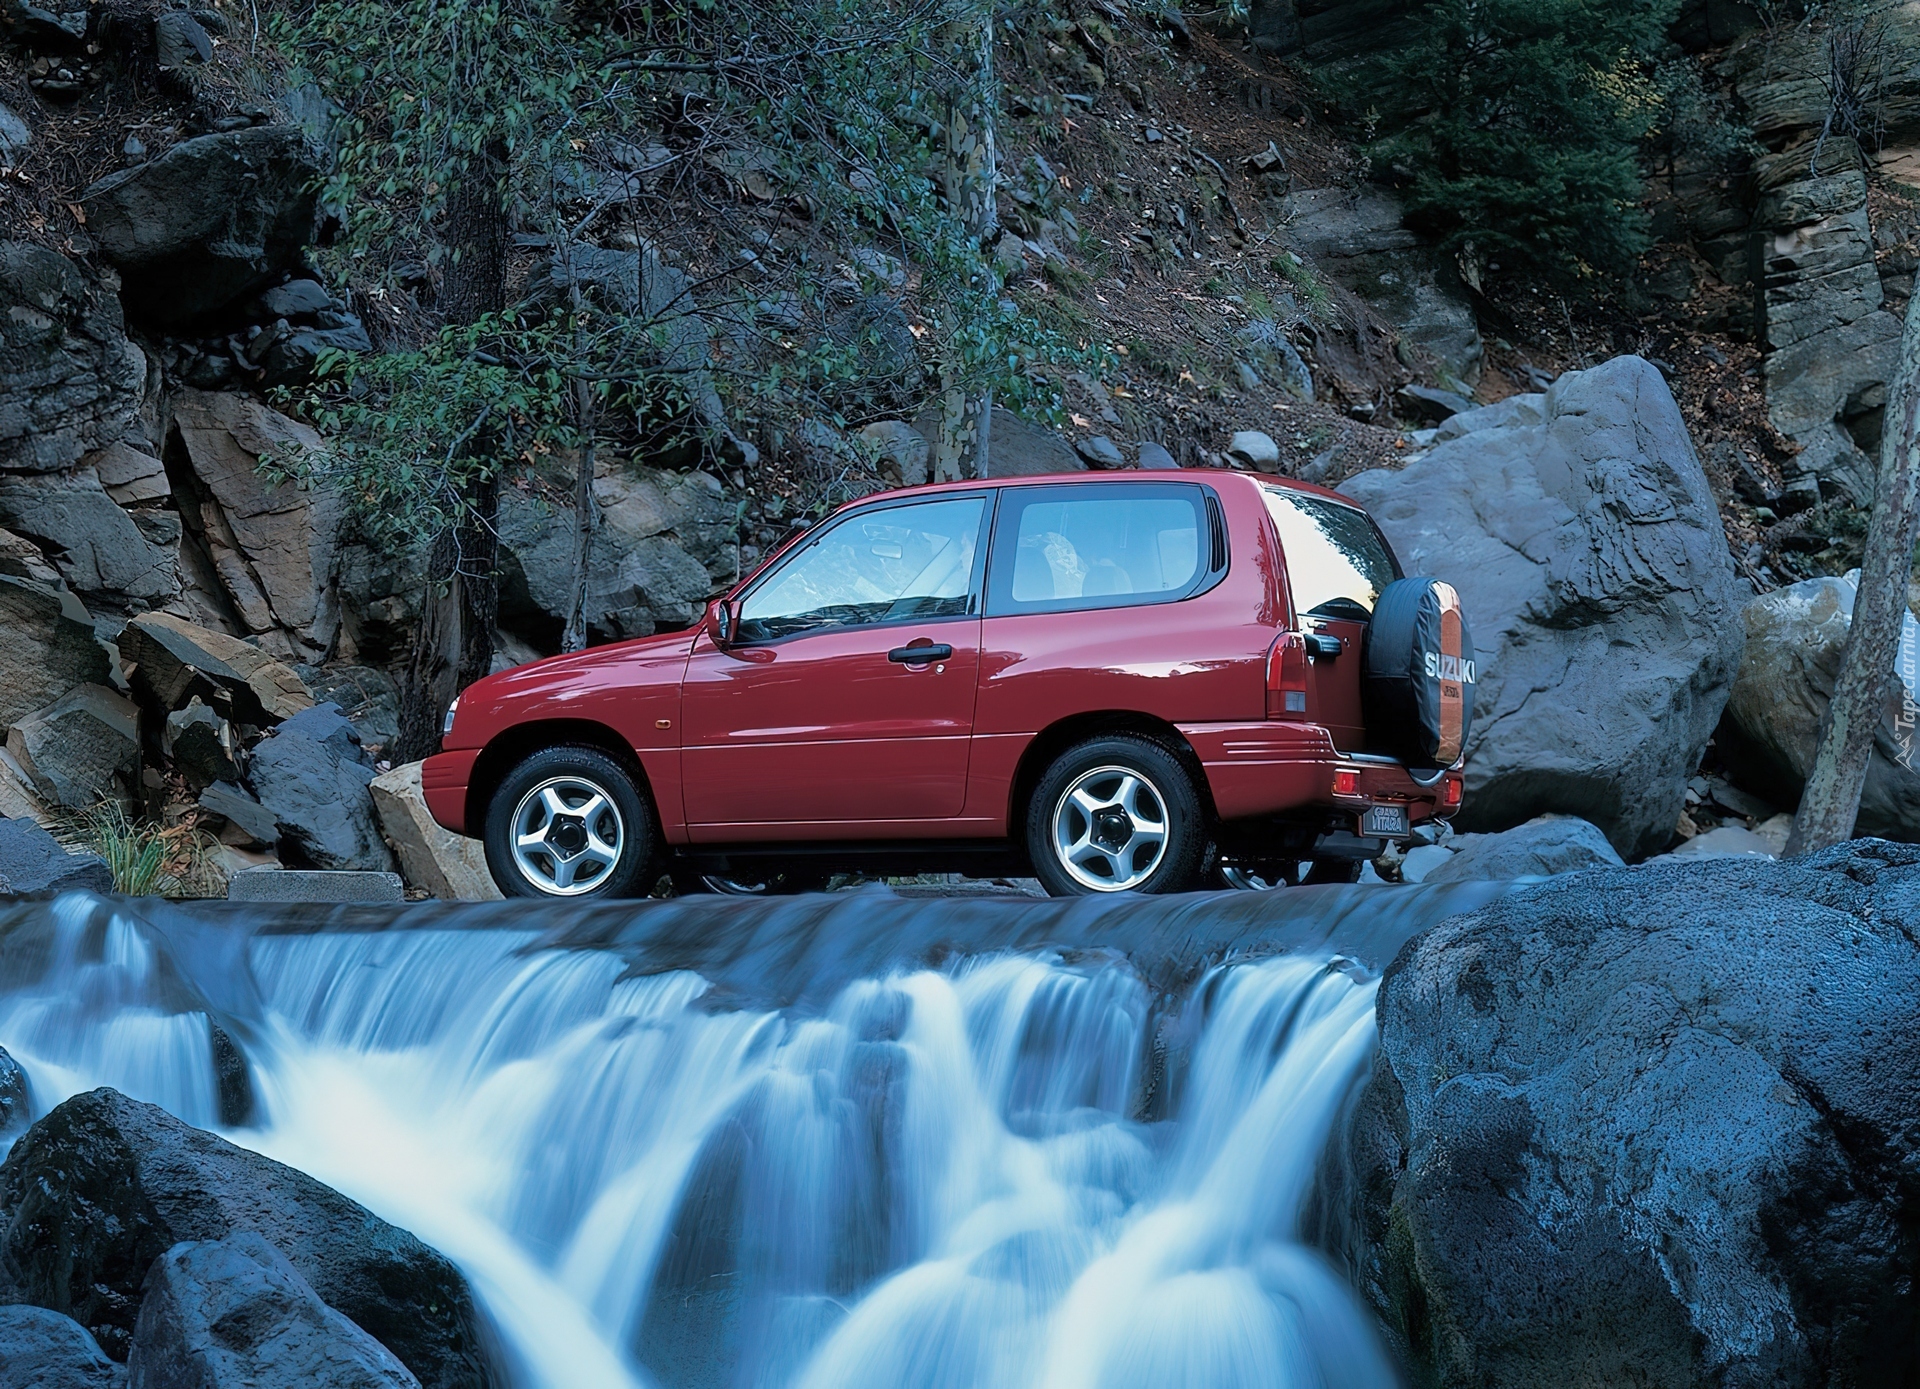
321	802
50	647
310	885
1794	637
22	559
1430	403
272	544
1100	452
44	1350
174	661
129	475
448	865
72	749
104	1185
1591	562
240	809
179	41
201	746
212	219
98	548
32	862
1653	1126
70	382
1541	848
328	726
235	1314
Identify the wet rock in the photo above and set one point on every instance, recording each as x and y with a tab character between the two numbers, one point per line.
50	647
899	452
44	1350
94	543
272	544
234	1314
32	861
72	749
16	1104
448	865
287	885
1543	847
1794	638
321	801
1590	559
104	1185
1255	450
211	219
1653	1126
70	382
173	661
240	809
201	746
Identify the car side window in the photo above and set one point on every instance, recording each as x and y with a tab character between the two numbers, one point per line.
1337	562
1069	548
889	564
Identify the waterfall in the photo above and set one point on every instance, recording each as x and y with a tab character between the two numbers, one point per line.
1061	1167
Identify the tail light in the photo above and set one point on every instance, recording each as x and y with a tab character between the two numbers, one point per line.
1346	783
1287	677
1453	791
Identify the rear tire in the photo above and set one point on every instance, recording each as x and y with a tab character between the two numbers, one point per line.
569	823
1116	814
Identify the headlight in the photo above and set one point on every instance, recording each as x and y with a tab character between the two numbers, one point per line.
446	724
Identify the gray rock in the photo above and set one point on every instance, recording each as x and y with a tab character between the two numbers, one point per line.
1653	1126
327	725
1099	451
295	299
234	1314
1255	449
1422	860
210	220
1591	562
174	661
294	355
1429	403
50	647
179	41
104	1185
1544	846
1155	457
321	802
46	30
1726	841
659	297
201	746
878	329
899	451
367	695
1018	449
72	749
33	863
16	1112
16	136
70	382
95	544
129	475
1249	378
44	1350
1514	410
1794	638
239	808
308	885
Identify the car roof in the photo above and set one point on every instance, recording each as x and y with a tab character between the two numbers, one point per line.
1106	477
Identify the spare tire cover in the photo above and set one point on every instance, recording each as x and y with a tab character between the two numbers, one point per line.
1417	674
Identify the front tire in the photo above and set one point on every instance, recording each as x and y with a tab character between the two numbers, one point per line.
1115	814
569	823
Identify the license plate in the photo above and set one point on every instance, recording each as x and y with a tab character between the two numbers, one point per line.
1384	821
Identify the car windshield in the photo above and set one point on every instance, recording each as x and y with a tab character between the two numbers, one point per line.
890	565
1337	564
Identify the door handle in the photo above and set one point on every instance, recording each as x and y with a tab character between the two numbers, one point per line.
1329	647
920	655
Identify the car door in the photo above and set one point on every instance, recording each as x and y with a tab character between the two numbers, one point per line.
847	693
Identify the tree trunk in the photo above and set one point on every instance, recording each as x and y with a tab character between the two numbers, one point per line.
969	171
453	645
1831	800
585	509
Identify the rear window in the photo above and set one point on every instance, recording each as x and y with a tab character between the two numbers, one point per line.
1337	564
1063	548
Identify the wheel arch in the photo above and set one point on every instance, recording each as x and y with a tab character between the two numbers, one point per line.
513	745
1062	734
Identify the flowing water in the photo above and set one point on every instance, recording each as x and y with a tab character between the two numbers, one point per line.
831	1143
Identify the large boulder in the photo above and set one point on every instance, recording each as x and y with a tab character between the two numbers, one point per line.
174	662
44	1350
104	1185
210	220
1794	637
99	549
656	299
235	1314
272	543
321	801
1014	447
1654	1126
70	382
33	862
16	1097
1590	559
74	748
50	647
1541	848
448	865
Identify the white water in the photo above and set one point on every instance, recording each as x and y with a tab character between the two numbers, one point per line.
935	1184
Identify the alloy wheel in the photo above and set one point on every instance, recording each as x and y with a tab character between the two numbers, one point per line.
567	835
1110	829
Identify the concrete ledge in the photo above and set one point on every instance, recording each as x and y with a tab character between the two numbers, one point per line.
294	885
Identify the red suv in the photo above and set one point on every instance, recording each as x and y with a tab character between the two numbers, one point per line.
1110	681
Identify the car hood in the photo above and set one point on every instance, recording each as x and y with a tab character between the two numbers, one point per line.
545	673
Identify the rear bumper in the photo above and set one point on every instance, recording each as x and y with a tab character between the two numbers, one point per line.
1262	769
443	782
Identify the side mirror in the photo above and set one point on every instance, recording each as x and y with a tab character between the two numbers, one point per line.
725	617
